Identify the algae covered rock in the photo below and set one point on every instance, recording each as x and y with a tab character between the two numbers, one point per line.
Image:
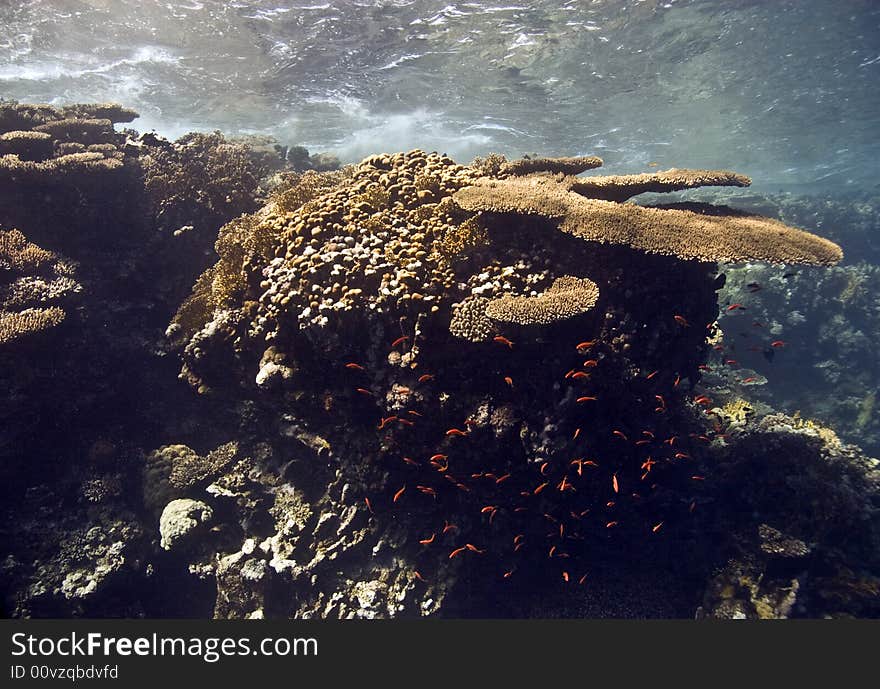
181	519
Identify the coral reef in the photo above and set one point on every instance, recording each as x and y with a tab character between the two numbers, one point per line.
346	306
34	284
805	538
415	401
824	325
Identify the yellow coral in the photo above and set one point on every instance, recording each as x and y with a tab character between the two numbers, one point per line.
567	297
714	235
15	324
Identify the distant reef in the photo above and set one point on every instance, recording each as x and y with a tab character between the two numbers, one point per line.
243	381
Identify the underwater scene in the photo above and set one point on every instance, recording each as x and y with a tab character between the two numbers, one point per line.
403	308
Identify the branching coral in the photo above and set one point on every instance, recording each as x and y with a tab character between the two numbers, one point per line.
565	166
622	187
701	233
40	144
566	298
34	284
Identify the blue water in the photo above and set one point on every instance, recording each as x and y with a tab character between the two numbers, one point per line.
785	91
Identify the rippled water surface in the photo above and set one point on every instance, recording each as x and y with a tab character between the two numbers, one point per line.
785	91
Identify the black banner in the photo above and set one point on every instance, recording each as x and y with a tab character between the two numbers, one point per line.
127	653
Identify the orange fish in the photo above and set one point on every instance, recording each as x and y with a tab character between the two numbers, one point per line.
428	541
427	490
681	320
354	367
398	494
587	398
500	339
399	340
426	377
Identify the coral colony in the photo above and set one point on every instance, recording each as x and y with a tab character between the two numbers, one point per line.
412	372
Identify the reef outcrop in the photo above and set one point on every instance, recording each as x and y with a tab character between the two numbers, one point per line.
418	397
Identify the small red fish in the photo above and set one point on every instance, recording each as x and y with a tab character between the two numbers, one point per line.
750	379
398	494
399	340
426	377
508	380
734	307
428	541
354	367
656	527
500	339
614	483
620	434
585	345
681	320
456	432
586	398
427	490
778	343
